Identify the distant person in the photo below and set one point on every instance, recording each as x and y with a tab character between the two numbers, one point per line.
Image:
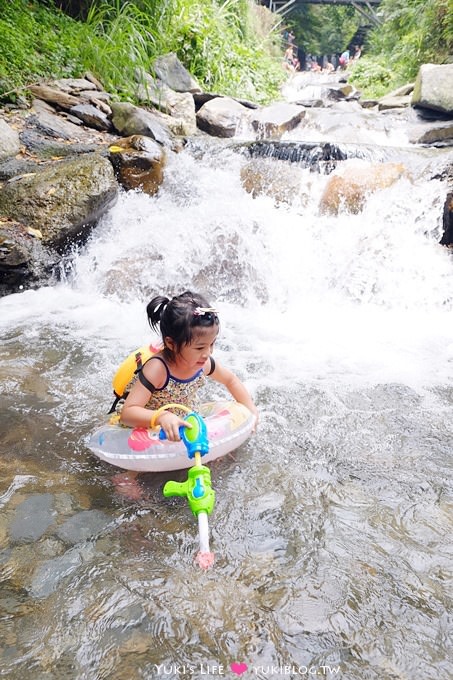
344	59
357	52
288	59
302	58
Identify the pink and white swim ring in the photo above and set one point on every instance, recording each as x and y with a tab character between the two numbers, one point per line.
229	425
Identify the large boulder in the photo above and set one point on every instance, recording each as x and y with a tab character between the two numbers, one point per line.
131	120
433	88
271	122
348	192
169	69
178	107
62	200
282	181
436	132
222	117
24	261
139	163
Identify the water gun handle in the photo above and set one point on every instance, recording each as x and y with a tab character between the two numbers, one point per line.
194	437
197	489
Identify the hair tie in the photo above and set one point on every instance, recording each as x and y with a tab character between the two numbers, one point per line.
201	311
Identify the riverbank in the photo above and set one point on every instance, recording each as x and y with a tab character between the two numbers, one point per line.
64	159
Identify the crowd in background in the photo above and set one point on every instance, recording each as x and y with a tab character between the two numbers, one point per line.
295	58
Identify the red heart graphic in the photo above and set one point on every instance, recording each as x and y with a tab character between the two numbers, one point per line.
238	668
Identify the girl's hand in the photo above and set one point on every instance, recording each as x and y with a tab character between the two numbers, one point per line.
170	423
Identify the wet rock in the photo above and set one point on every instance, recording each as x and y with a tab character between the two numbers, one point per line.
281	181
24	261
221	117
83	526
32	518
321	157
349	193
62	200
447	222
138	162
9	141
432	133
271	122
50	573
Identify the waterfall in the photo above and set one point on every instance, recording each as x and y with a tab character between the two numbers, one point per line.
331	528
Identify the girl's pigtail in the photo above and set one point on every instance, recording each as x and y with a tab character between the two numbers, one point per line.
155	309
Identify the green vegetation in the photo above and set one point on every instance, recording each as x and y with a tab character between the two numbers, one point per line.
413	32
225	44
324	29
35	43
231	46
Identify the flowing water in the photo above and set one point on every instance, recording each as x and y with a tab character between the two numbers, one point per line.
332	527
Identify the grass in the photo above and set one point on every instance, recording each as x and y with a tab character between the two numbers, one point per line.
217	41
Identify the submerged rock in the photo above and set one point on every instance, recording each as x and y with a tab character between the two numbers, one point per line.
349	193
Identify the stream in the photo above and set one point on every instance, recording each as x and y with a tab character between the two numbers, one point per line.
332	529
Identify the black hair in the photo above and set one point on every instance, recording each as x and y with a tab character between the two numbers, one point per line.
178	317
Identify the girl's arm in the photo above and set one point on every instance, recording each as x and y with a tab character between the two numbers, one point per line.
134	412
235	387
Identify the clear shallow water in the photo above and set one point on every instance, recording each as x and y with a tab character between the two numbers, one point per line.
332	527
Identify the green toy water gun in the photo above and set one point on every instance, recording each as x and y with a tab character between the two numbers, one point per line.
197	488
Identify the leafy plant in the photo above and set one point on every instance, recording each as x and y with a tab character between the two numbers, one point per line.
217	41
413	32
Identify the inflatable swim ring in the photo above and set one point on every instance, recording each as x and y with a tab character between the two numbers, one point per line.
229	424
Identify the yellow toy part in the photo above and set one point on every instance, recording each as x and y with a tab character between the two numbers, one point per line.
129	367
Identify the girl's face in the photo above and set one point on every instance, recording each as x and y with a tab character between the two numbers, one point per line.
195	354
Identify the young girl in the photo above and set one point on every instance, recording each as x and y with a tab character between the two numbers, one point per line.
189	329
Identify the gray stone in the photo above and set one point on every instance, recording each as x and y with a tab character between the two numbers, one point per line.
32	518
83	526
49	148
131	120
49	574
272	121
63	199
53	125
432	133
433	88
9	141
221	117
91	116
170	70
